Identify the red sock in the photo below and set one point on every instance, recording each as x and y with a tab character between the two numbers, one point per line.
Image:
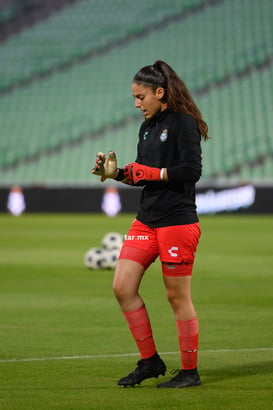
140	326
188	342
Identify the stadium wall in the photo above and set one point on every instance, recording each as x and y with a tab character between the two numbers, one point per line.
245	199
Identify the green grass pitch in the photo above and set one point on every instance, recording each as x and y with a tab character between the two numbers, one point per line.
64	342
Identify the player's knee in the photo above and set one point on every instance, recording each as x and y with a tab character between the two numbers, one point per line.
122	289
119	290
174	297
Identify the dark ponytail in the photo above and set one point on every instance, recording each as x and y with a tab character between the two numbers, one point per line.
152	76
177	96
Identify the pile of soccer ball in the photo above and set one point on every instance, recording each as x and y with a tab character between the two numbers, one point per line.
106	256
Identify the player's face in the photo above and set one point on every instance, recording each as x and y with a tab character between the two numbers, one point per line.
148	100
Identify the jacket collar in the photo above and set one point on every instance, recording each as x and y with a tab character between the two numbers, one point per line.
157	118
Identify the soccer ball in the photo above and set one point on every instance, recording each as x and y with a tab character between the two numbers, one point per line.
111	258
112	240
94	258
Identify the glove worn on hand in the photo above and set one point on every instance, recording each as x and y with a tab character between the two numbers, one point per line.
105	167
135	172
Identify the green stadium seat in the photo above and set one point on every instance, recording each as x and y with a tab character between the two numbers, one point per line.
77	30
67	117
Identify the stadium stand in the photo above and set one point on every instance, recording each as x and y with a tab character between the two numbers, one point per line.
79	30
222	49
241	126
16	15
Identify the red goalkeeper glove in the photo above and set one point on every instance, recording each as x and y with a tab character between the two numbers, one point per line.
135	172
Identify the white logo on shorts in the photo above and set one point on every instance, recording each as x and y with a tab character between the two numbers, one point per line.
171	251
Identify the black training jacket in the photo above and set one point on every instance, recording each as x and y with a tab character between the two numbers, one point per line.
170	140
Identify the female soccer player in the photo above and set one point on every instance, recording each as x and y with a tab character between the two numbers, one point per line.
168	164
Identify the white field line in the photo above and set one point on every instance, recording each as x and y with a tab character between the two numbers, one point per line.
111	356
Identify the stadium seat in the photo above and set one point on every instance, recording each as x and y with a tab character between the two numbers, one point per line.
67	116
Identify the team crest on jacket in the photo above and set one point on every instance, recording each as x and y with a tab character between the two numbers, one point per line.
164	135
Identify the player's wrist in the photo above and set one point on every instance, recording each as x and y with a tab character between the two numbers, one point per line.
135	172
153	174
119	174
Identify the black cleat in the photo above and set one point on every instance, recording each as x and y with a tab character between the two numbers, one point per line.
184	378
146	368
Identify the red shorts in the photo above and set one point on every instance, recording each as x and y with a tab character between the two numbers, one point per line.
175	245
